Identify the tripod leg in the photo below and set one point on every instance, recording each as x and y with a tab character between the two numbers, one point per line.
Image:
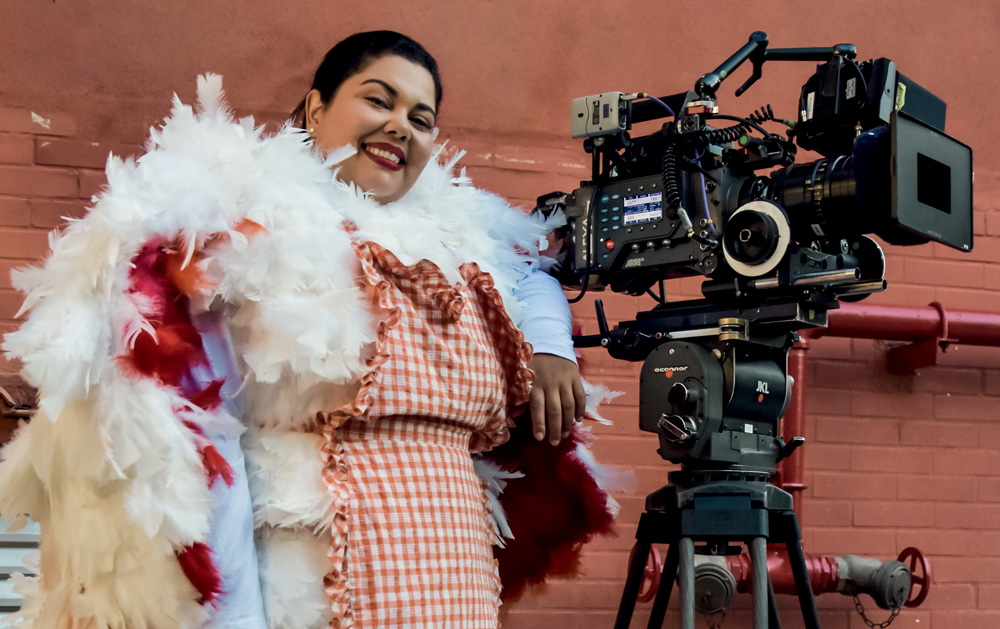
772	607
802	585
685	582
632	582
666	587
758	568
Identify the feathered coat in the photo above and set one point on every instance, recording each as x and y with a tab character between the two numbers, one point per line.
116	465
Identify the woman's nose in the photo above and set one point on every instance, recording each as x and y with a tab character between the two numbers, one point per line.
398	123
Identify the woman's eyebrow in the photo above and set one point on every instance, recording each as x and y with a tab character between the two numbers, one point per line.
394	93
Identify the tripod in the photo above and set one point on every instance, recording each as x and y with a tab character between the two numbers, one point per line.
717	508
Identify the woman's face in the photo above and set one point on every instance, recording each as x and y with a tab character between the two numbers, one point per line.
387	112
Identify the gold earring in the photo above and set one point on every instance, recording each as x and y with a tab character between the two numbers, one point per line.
312	130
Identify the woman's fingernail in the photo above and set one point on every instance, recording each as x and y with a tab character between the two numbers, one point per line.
539	435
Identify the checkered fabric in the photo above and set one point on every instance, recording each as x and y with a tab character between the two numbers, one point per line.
411	545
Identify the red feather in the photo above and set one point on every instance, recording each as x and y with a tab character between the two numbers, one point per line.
198	566
216	466
552	511
209	398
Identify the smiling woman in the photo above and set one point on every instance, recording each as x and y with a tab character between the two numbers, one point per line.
387	111
363	314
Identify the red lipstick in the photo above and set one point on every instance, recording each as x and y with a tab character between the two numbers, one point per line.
385	155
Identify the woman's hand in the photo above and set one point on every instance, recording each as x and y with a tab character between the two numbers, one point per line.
557	397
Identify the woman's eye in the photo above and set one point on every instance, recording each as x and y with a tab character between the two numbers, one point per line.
378	101
420	122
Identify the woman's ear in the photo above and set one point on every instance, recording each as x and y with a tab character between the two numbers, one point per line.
313	110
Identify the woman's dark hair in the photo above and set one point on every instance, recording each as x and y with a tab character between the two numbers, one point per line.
355	53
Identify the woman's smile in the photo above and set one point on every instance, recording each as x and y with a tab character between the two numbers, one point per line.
385	155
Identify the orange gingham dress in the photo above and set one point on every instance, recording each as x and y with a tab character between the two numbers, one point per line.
411	543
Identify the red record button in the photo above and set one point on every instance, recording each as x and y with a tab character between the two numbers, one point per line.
609	244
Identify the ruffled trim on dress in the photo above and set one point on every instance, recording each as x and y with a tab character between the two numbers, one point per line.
512	350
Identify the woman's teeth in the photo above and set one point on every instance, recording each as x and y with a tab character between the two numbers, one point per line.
392	157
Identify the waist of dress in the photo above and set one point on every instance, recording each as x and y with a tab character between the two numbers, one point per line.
410	428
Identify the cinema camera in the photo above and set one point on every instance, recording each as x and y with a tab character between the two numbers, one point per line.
778	250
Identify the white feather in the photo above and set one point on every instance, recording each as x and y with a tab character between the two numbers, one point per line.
292	566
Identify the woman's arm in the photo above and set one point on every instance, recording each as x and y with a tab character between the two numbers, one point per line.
557	397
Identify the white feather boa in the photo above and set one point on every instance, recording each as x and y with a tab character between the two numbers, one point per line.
105	466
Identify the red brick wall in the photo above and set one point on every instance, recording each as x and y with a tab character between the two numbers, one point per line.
891	461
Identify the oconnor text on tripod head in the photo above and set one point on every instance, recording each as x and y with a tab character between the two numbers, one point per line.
778	249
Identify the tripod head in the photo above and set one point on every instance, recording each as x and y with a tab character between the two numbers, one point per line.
714	382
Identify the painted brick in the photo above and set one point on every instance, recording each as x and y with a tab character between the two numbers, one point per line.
988	596
967	516
947	380
908	619
991	272
987	300
6	266
826	401
847	374
984	251
851	541
967	356
890	404
943	273
575	594
989	435
27	244
857	430
846	485
952	596
890	459
16	120
35	181
571	162
991	383
829	347
79	153
988	543
901	294
49	213
988	489
519	183
979	619
964	407
10	303
92	182
939	542
896	513
979	462
821	456
13	212
818	512
919	432
992	221
608	565
16	148
936	487
966	569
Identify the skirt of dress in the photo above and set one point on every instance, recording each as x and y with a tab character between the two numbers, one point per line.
419	544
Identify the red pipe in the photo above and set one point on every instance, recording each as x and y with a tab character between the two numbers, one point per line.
889	323
791	470
823	572
900	323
